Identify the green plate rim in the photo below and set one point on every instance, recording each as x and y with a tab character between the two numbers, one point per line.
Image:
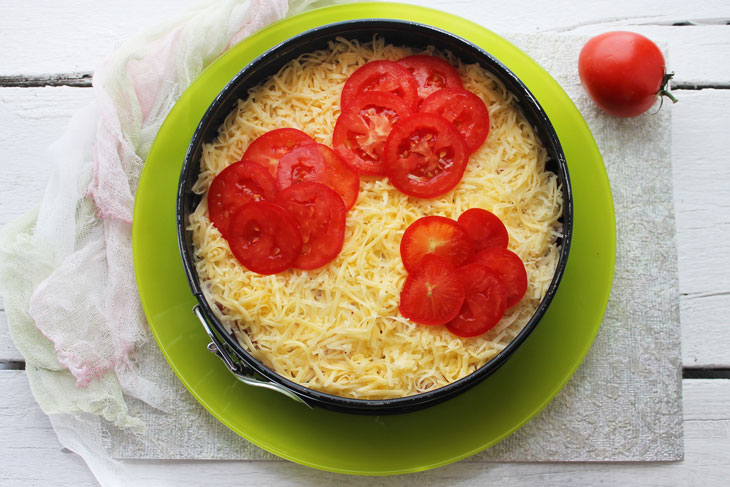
156	286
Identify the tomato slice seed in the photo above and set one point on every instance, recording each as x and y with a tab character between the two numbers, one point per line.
270	147
340	177
301	164
317	163
264	237
485	228
484	304
436	235
320	214
465	110
425	156
380	76
432	294
235	186
509	267
363	127
431	74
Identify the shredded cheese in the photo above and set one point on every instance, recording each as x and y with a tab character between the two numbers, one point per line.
337	329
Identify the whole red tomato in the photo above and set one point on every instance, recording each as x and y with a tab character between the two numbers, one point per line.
623	72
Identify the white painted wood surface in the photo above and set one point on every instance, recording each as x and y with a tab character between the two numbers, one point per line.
706	429
31	118
63	37
44	39
702	209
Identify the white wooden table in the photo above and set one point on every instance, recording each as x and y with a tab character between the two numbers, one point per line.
49	49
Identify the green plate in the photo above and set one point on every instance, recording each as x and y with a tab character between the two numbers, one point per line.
401	443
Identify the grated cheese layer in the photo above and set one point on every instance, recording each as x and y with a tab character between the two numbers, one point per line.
337	329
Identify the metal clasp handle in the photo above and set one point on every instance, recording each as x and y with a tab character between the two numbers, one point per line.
242	372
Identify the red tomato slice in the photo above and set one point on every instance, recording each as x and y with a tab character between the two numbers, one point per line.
269	148
425	156
340	177
264	237
362	129
509	267
431	73
436	235
318	163
385	76
465	110
484	228
235	186
301	164
320	213
484	304
432	293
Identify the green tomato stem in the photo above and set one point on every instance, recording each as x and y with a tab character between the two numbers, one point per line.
664	89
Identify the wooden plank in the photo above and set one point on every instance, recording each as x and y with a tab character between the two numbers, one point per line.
702	208
29	450
705	337
698	54
30	120
47	37
79	80
8	352
32	456
561	15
